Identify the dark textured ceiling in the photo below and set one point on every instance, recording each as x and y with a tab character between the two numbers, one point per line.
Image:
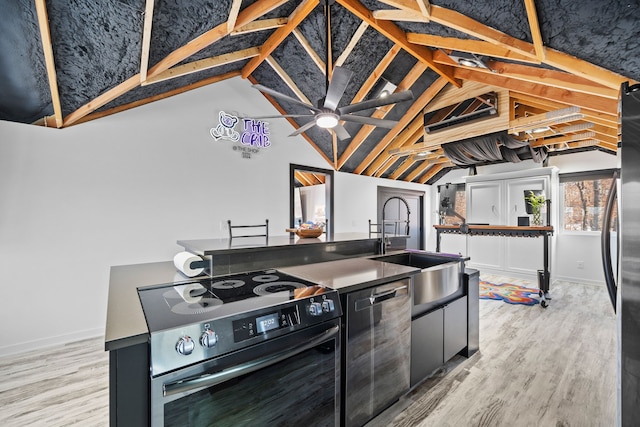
585	50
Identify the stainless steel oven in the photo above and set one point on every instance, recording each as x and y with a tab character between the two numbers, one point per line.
260	348
291	381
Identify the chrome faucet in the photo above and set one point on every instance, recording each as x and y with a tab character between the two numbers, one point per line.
384	242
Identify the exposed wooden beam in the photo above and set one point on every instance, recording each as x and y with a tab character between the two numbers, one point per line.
307	47
532	15
204	64
398	36
522	124
287	79
552	57
414	127
376	74
183	89
399	15
596	103
352	44
425	7
546	77
608	120
415	109
45	36
477	47
562	139
413	75
246	15
458	21
146	39
233	15
433	171
584	69
297	16
259	25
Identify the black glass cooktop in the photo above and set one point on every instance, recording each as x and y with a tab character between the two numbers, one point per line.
215	297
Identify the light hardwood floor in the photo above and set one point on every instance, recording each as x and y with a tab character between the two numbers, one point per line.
535	367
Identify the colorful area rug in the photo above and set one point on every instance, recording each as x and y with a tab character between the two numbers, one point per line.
509	293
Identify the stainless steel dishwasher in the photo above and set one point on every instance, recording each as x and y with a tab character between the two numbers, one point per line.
377	350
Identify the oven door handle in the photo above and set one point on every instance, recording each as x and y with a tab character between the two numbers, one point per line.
209	380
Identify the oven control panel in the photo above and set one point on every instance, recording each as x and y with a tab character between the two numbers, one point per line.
177	347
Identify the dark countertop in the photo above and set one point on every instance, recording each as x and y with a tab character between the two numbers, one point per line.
126	324
349	275
226	245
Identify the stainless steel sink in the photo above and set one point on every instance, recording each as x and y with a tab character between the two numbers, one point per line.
438	281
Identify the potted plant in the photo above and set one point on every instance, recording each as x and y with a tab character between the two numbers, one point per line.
536	201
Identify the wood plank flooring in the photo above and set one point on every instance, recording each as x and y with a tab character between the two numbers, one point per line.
535	367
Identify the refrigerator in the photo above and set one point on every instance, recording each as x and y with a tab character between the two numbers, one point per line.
621	259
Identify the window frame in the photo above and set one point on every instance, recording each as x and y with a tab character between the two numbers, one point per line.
576	177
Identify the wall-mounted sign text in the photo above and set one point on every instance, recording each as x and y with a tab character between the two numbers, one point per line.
251	136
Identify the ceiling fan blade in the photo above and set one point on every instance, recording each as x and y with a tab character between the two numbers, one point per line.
341	132
377	102
277	94
339	81
389	124
304	127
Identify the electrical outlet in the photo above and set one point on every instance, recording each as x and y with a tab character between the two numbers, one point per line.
581	265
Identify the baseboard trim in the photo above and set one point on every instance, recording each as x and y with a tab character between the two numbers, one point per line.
39	344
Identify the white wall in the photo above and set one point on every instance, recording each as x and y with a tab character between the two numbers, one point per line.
570	247
122	190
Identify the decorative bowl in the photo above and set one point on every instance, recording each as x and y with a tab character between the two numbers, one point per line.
306	232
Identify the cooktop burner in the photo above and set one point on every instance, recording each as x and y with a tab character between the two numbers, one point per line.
172	305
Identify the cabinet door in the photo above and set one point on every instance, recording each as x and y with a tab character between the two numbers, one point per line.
484	206
426	345
484	200
455	327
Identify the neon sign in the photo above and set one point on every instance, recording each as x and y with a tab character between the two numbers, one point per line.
254	134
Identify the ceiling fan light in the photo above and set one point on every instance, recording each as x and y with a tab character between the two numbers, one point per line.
327	120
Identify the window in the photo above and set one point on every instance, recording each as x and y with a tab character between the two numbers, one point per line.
452	202
584	200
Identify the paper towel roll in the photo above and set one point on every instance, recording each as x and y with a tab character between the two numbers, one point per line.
183	261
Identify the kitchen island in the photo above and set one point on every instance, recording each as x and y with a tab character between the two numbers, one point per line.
344	264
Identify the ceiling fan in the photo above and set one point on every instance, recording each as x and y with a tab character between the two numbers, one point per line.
327	114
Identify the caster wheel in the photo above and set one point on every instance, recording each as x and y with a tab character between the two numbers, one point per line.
540	294
544	304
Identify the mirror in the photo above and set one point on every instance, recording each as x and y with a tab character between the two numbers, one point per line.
311	196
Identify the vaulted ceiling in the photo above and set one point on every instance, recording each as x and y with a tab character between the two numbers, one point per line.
555	66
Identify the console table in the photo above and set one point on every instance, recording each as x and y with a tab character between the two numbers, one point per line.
510	231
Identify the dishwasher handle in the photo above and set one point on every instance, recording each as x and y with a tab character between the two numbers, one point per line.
209	380
364	303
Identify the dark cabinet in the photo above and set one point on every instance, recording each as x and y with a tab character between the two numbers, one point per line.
455	327
427	345
436	337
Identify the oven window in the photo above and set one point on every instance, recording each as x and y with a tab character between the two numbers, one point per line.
297	391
